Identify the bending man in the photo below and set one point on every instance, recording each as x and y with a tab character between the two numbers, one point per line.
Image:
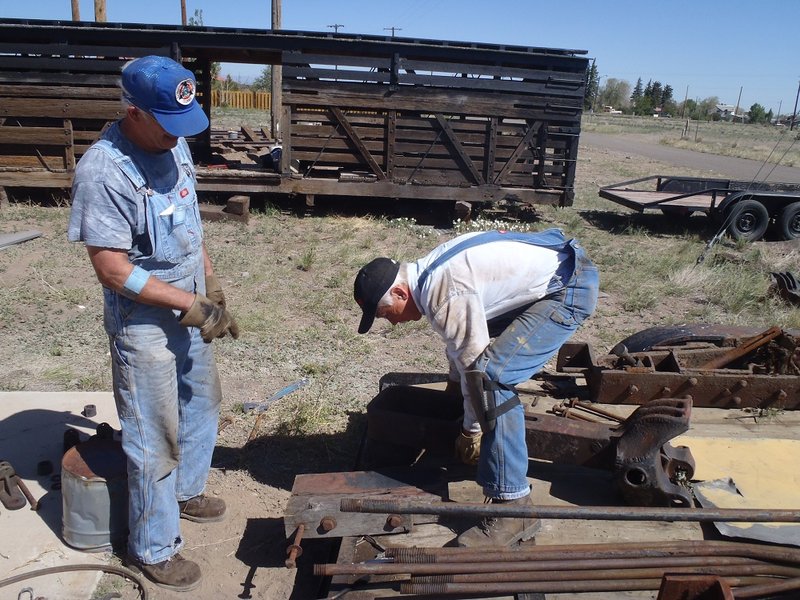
528	291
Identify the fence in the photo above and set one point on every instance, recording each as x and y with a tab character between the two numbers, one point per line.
242	99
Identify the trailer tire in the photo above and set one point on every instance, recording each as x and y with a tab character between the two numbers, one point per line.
749	220
789	222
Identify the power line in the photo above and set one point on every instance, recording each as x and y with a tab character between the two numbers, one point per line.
393	29
335	27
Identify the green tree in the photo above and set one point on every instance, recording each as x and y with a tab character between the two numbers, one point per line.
592	87
757	113
637	91
616	93
264	81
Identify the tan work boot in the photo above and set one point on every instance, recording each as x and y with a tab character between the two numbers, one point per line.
501	531
202	509
176	573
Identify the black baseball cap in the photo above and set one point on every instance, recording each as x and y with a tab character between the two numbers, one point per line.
372	282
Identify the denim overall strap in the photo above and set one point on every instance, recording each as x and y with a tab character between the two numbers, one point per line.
124	163
549	238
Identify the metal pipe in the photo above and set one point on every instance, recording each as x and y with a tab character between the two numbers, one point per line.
768	590
608	513
552	587
381	567
609	573
599	551
295	550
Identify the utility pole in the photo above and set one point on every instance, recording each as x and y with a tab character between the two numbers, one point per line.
685	99
736	110
794	112
335	27
393	29
100	11
183	13
76	10
277	79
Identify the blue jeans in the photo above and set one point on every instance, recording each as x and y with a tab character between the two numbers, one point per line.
168	395
516	355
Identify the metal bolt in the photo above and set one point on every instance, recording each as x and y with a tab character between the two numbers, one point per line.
782	395
737	400
632	389
394	521
742	383
327	524
692	381
665	391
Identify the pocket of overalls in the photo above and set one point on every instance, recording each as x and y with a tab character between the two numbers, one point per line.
181	232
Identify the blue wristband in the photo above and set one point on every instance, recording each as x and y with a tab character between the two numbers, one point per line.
136	281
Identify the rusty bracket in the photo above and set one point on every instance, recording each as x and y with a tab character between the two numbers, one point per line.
10	494
647	469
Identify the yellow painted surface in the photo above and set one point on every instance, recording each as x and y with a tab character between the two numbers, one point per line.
766	470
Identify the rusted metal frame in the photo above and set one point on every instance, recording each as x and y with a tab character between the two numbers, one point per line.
456	147
491	149
694	587
600	513
532	130
391	138
571	154
362	149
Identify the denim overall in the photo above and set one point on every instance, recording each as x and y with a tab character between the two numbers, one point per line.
166	385
532	337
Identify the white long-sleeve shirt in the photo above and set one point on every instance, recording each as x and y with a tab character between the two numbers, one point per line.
473	286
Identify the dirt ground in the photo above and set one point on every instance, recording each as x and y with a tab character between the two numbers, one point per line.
289	282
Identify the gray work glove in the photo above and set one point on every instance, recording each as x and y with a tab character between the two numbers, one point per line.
468	447
212	319
214	291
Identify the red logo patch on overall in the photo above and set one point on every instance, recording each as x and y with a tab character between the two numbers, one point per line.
184	192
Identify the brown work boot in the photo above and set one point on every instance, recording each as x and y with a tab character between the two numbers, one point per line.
501	531
176	573
202	509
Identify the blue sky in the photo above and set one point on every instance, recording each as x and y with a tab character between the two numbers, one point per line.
714	47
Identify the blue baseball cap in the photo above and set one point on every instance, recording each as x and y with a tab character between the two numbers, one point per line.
163	88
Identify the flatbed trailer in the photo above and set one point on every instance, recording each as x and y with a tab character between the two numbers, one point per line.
748	209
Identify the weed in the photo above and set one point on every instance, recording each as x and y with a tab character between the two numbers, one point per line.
307	259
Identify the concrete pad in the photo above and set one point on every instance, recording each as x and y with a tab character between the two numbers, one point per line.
32	426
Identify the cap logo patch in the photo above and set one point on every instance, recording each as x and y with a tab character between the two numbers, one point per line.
184	93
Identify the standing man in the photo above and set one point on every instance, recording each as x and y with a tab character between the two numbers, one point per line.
528	291
134	206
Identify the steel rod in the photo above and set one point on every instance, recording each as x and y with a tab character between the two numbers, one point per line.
600	551
608	513
553	587
597	574
768	590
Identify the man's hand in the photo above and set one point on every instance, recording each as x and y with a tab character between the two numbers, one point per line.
212	319
468	447
214	291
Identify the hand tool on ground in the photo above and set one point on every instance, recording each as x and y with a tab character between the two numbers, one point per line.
259	407
10	494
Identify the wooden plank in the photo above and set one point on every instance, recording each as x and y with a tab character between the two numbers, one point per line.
520	147
69	50
46	63
365	153
10	134
60	109
34	77
10	239
456	146
69	151
62	91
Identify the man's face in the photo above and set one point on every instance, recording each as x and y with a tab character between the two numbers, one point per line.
152	137
401	310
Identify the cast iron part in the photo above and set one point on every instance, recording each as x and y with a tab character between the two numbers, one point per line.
647	470
10	494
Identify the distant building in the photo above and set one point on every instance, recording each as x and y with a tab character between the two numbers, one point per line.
727	112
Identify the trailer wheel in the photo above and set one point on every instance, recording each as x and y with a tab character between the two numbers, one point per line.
749	220
789	222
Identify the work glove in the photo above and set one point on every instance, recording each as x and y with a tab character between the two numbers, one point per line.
214	291
212	319
468	447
